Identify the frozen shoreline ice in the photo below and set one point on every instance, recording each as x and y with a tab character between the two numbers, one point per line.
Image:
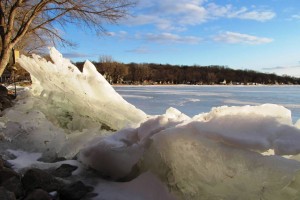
215	155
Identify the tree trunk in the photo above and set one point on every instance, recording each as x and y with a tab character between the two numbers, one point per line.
4	60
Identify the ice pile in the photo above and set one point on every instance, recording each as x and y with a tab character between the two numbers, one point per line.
248	152
86	92
64	109
217	155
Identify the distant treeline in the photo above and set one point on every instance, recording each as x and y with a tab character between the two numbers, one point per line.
149	73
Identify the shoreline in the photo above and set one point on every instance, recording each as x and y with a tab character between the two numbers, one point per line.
27	84
192	85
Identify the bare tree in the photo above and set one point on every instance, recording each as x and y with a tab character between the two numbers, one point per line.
40	18
106	59
34	43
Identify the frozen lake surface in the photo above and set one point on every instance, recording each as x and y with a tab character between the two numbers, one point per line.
193	100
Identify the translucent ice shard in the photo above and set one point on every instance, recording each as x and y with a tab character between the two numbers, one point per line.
87	92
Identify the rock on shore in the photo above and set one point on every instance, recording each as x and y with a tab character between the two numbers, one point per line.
37	184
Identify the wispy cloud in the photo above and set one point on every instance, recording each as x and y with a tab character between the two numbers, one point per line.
296	16
257	15
140	50
284	70
119	34
162	38
228	11
76	55
171	38
280	68
160	22
178	14
234	38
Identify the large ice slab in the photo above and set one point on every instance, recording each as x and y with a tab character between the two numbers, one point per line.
87	92
196	167
215	155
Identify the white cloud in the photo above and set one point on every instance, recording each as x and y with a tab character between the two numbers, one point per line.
178	14
297	16
72	55
234	38
140	50
192	14
257	15
169	15
143	19
166	38
228	11
215	10
171	38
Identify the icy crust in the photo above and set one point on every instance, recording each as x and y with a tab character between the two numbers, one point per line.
86	92
25	161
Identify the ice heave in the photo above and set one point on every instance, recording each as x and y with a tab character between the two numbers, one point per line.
116	155
196	167
215	158
87	92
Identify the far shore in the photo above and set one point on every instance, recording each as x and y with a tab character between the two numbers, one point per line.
213	85
28	84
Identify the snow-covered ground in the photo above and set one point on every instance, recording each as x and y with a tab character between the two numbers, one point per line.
238	152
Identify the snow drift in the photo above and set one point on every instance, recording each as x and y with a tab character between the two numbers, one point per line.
248	152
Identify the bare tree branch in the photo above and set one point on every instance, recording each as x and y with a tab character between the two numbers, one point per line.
22	20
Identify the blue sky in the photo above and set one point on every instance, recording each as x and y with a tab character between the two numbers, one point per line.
261	35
